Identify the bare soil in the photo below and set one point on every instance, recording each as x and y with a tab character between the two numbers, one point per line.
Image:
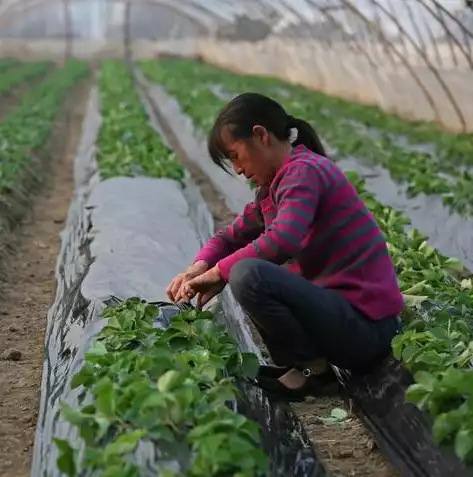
346	449
27	289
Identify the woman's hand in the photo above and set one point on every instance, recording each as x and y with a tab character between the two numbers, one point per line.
175	290
204	298
206	286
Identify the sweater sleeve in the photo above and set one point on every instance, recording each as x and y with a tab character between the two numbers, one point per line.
296	197
245	228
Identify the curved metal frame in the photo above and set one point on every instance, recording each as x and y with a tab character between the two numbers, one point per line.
14	8
374	45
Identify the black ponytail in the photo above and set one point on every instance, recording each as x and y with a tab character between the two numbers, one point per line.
306	135
249	109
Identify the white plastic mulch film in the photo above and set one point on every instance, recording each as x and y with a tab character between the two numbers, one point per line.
413	57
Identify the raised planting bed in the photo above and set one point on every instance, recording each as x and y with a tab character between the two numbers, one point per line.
165	386
24	130
126	393
128	146
444	171
435	346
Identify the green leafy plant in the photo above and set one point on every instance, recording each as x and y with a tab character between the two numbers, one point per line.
26	127
6	64
15	75
165	389
127	144
445	173
437	343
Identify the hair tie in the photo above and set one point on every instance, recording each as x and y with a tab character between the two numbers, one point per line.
293	135
293	131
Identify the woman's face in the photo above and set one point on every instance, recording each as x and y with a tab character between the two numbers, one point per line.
251	157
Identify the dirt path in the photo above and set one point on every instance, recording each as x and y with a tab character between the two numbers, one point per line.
28	290
346	449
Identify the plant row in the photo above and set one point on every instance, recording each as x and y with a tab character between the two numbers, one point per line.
25	128
437	344
418	170
127	144
165	390
17	75
162	390
6	64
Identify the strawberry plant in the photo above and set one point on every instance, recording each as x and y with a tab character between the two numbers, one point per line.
28	125
127	144
437	343
165	389
15	75
445	173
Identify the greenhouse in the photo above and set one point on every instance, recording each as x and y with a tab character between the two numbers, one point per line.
109	189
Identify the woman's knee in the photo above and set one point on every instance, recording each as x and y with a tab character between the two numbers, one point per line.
244	278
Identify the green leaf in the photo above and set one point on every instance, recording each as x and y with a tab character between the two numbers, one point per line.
444	427
168	380
103	424
85	377
338	413
439	333
75	417
104	395
221	393
431	358
409	352
427	380
337	416
98	349
464	444
414	300
122	469
162	433
169	473
417	394
397	347
125	443
66	461
454	264
154	400
250	365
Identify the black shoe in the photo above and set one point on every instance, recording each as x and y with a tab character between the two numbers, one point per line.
324	384
272	372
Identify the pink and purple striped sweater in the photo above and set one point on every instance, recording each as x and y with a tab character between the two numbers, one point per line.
312	217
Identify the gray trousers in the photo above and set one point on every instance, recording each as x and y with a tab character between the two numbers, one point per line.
299	321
